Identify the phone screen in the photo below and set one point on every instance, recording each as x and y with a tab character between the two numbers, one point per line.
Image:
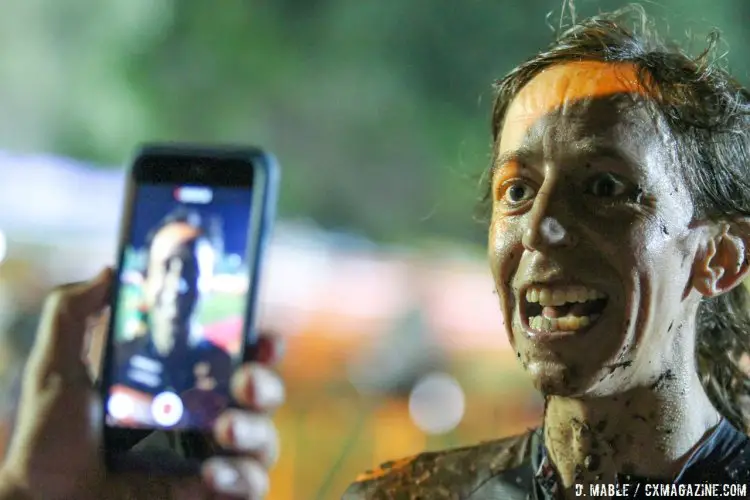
180	307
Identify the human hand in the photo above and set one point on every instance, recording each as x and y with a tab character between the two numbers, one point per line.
56	450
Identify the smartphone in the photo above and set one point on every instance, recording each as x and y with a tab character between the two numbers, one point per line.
195	225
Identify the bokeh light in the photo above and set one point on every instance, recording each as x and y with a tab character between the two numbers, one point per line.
437	403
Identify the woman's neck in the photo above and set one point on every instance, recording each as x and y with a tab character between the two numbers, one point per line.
649	431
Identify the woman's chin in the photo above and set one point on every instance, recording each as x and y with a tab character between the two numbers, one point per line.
556	379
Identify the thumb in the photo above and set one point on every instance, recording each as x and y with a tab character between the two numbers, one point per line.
62	328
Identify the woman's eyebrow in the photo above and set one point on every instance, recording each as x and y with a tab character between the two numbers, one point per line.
585	150
508	158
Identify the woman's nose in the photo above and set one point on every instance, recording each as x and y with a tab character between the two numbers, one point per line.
548	232
549	224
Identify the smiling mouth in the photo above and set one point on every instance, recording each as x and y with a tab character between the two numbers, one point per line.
568	309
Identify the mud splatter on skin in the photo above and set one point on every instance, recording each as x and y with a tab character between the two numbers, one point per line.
664	229
625	348
670	326
524	358
580	425
624	364
663	378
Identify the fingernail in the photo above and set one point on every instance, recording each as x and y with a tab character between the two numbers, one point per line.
257	479
277	346
269	391
249	433
224	477
279	350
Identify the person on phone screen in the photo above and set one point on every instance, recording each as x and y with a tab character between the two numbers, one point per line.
171	355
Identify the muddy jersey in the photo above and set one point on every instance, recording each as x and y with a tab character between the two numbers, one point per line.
517	468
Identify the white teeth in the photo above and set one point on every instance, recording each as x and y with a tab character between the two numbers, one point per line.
557	296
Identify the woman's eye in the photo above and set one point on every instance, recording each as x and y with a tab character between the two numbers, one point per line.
517	192
606	186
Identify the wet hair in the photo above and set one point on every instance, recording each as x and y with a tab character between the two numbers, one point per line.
708	115
208	229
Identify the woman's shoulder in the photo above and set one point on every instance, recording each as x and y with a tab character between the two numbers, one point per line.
445	473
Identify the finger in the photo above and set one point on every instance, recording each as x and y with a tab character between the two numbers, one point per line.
95	343
256	387
269	349
248	433
62	329
241	477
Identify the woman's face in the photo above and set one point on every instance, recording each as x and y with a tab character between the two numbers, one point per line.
590	245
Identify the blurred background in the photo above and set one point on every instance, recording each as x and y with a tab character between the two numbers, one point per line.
378	112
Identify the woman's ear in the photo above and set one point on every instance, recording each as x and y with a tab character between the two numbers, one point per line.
724	264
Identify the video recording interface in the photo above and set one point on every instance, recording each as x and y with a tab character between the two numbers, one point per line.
180	307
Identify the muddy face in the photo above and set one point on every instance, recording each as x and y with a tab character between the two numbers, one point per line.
589	218
170	288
